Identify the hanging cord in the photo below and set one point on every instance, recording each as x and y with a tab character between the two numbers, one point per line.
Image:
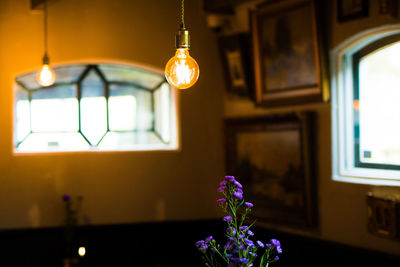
45	57
183	15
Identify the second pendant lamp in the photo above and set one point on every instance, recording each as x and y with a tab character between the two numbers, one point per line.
46	76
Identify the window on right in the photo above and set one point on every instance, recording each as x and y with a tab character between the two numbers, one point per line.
366	108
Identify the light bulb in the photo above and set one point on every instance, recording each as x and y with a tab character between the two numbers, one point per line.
182	71
82	251
46	76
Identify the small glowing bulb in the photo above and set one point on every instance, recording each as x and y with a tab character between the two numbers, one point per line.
82	251
46	76
182	70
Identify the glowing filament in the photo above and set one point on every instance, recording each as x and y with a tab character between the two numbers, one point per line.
46	76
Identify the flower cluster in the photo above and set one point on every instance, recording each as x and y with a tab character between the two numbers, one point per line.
239	249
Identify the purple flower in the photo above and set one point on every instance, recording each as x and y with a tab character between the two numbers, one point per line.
221	200
241	236
199	243
237	184
260	244
238	195
230	178
249	242
275	242
228	245
250	233
276	258
279	250
268	245
208	239
228	230
223	183
222	188
244	227
227	219
239	190
248	204
203	247
243	260
66	197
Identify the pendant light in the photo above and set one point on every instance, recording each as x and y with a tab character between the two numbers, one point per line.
182	70
46	76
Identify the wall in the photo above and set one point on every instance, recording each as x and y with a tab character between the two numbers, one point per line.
117	187
342	206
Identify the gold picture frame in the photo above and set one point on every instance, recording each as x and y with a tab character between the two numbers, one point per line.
287	49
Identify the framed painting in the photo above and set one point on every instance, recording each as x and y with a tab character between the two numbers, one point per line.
274	158
235	57
352	9
286	53
383	220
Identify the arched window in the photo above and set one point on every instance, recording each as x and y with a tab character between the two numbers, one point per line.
95	107
366	109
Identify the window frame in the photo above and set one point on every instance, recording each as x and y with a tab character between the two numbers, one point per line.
368	49
171	144
343	79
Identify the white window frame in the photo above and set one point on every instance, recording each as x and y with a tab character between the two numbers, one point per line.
343	167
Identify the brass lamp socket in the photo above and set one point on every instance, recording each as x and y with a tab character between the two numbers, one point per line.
46	59
182	38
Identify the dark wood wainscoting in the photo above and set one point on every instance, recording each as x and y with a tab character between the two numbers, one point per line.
167	244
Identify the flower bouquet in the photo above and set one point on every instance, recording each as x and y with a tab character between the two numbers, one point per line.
239	249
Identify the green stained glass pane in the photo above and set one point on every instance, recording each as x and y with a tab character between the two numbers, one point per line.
93	108
64	74
69	73
29	80
55	109
127	74
130	104
130	140
41	142
92	85
162	111
21	114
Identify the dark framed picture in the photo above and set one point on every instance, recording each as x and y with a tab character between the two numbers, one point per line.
235	57
388	7
382	216
352	9
274	158
287	60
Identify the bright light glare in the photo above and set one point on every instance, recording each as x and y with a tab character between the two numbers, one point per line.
122	113
46	76
162	111
54	115
82	251
182	71
94	118
379	107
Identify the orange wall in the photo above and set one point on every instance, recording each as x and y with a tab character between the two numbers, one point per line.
117	187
